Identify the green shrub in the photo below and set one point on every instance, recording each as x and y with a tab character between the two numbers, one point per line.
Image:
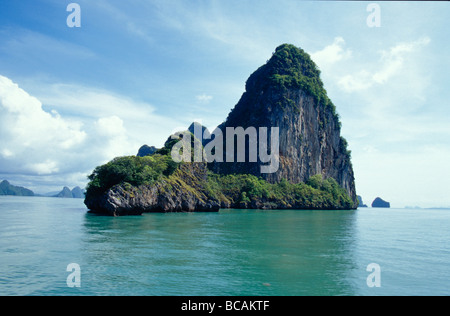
245	188
132	170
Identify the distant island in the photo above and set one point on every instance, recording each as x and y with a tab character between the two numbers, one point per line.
360	202
309	169
8	189
379	202
75	193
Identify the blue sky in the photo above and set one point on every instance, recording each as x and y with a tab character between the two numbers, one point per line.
135	71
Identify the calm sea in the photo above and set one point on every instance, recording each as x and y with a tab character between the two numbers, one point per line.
232	252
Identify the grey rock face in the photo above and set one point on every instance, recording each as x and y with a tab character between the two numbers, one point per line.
184	193
309	138
146	150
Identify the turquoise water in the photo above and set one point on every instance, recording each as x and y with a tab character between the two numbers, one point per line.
233	252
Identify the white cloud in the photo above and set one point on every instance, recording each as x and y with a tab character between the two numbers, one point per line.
84	128
204	98
29	135
139	120
394	59
112	129
6	153
356	82
46	167
390	64
332	53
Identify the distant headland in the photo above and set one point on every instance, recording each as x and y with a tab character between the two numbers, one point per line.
7	188
75	193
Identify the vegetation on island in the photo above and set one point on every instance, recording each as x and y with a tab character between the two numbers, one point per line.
232	190
249	191
292	68
131	170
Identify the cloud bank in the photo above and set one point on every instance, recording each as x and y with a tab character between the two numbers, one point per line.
33	141
93	127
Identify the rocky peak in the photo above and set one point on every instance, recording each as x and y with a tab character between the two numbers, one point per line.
77	193
146	150
288	63
200	132
65	193
287	93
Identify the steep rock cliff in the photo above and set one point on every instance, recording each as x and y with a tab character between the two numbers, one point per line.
287	93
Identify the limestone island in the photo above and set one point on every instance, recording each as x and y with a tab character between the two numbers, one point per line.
379	202
360	201
7	188
305	164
